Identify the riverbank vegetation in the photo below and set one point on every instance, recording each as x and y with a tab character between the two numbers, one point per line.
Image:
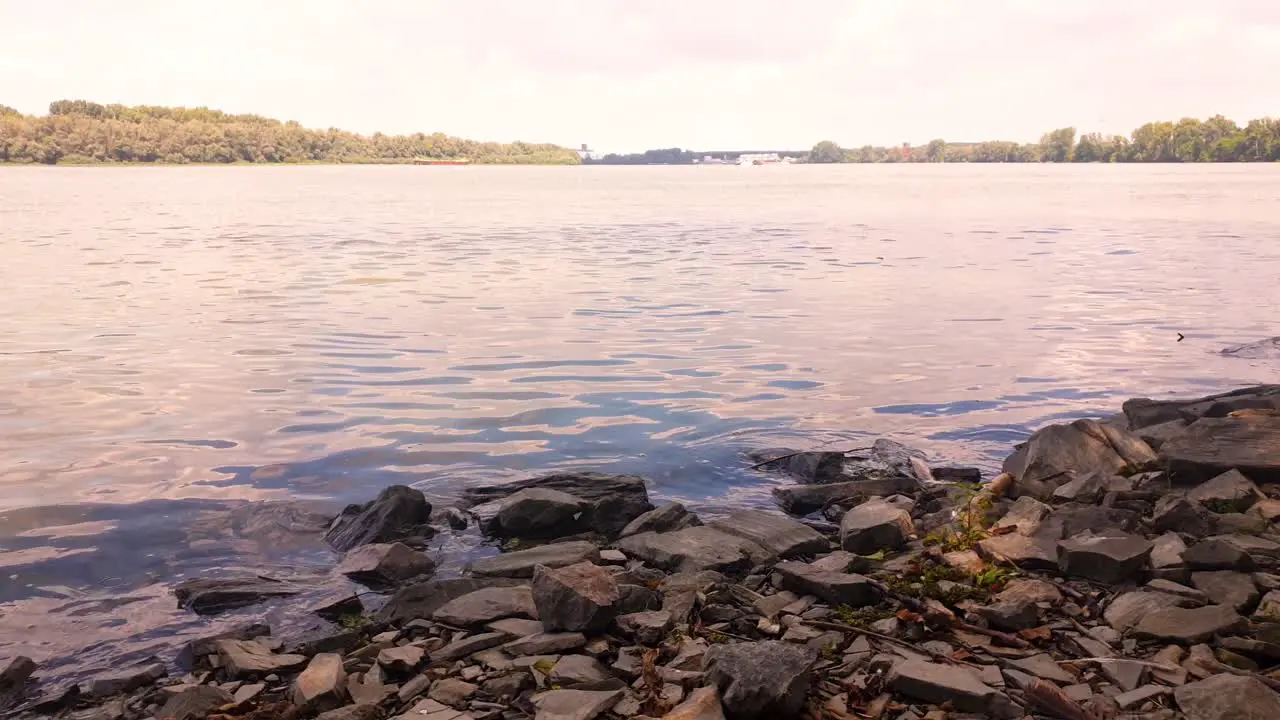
78	131
1217	139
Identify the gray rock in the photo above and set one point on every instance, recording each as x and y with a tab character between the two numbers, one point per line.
1081	488
1043	665
875	525
1037	552
323	685
613	557
360	711
693	549
195	703
452	692
637	598
540	513
1217	553
680	592
781	536
385	564
467	646
961	687
399	512
15	672
428	709
574	670
413	688
1213	445
1229	492
520	564
546	643
488	604
813	466
1083	447
402	659
576	598
506	687
1174	513
1143	412
421	600
574	704
1226	587
332	606
614	500
767	679
1173	588
1029	590
1138	696
1109	559
1167	557
1158	435
1128	609
836	588
1188	625
1228	697
245	693
127	680
664	518
702	704
648	628
1269	607
210	596
1127	675
369	689
805	499
1010	616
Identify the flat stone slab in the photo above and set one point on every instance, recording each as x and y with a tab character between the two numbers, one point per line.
1228	697
1188	625
804	499
1128	609
693	549
1211	446
520	564
961	687
836	588
781	536
1109	559
488	604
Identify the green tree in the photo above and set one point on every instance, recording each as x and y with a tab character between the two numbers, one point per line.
826	152
1056	145
936	151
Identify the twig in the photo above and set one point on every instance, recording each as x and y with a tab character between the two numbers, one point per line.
761	464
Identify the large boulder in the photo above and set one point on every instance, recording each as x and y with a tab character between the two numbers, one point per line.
1228	697
385	564
1108	559
577	598
1056	454
664	518
694	548
613	500
1226	587
540	512
520	564
398	513
210	596
781	536
878	524
241	658
760	679
1211	446
488	604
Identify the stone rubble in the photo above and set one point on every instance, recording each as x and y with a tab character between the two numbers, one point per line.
1124	568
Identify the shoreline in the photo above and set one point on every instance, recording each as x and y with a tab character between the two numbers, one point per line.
1115	565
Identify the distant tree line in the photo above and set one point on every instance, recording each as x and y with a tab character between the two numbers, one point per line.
664	156
1188	140
82	131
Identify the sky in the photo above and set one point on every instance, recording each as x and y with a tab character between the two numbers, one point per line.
626	75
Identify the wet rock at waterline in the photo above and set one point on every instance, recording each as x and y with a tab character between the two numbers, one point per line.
398	513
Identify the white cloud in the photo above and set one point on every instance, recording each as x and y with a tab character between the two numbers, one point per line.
630	75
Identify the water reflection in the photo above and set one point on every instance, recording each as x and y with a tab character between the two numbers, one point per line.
179	341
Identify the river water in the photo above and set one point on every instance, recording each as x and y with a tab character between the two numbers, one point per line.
180	340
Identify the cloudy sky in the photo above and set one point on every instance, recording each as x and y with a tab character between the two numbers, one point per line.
633	74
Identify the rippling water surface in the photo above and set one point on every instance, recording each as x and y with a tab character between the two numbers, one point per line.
179	340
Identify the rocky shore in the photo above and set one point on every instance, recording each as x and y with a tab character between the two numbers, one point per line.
1120	567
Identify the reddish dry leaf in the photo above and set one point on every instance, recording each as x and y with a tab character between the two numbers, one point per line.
1036	634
